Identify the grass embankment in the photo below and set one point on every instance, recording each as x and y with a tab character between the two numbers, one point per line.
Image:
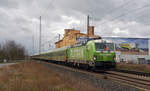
134	67
31	76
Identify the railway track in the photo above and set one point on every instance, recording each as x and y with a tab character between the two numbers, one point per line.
137	81
133	72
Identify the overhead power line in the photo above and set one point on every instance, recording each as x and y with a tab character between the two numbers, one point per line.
147	5
40	31
121	6
116	8
40	27
46	10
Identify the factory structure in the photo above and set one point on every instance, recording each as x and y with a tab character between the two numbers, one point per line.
136	50
71	36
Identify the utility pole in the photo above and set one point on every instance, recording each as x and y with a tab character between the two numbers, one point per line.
59	40
40	36
58	37
87	26
32	45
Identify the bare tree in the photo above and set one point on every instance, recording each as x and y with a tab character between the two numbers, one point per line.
0	53
12	51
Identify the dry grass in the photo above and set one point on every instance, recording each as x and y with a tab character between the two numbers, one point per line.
31	76
134	67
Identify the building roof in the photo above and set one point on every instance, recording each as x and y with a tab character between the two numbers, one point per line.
58	41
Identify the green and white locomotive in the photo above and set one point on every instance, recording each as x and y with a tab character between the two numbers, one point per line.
95	53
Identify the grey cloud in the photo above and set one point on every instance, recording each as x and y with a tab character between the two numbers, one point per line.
20	18
8	4
95	8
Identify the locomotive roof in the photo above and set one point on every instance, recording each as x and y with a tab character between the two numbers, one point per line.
103	40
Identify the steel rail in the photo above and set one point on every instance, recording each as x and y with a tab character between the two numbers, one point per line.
132	72
134	81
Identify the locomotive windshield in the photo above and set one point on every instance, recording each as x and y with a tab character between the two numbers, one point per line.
104	46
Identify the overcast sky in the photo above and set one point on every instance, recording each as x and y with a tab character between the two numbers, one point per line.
19	19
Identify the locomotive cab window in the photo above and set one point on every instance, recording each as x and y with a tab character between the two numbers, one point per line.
104	46
110	46
100	46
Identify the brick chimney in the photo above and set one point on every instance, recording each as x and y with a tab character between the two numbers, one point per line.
91	30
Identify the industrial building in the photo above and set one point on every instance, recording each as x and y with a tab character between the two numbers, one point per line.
71	36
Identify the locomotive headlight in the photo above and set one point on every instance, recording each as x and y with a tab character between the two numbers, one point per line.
115	58
94	58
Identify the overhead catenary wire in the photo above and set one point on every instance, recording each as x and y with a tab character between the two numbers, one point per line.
116	9
111	11
46	10
140	14
147	5
50	43
40	35
120	7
